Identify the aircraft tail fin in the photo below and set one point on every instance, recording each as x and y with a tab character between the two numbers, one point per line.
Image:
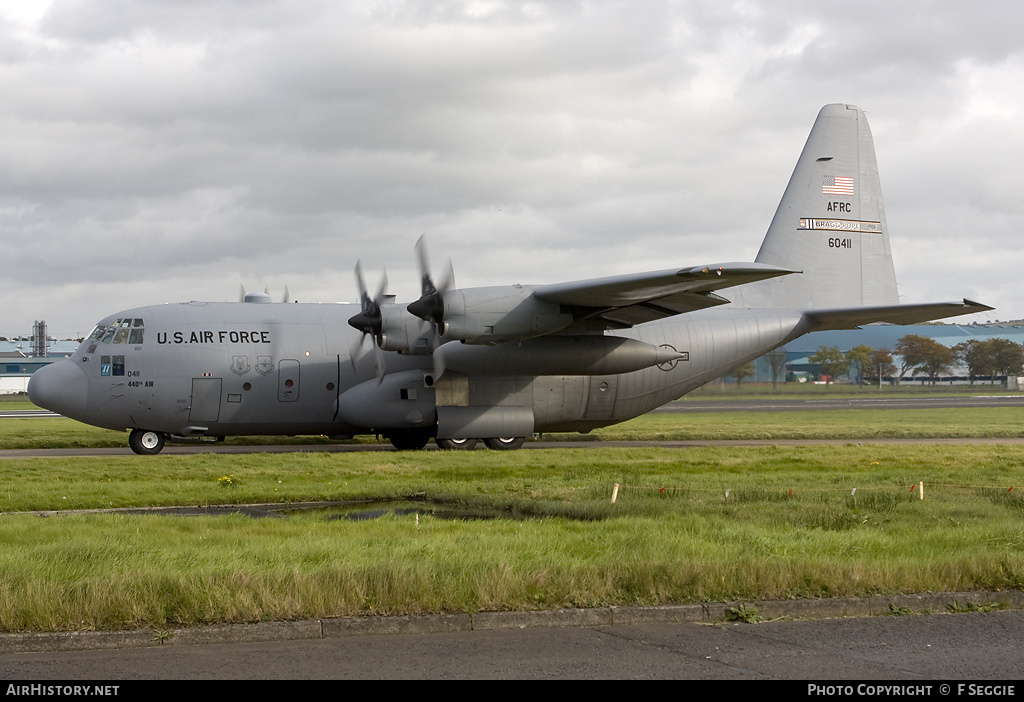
830	224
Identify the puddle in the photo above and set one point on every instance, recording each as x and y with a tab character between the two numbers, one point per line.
362	510
376	510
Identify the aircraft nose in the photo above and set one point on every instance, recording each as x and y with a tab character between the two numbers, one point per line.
60	387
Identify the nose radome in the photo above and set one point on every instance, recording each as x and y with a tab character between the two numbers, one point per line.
60	387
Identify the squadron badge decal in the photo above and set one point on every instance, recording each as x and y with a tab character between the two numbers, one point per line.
264	365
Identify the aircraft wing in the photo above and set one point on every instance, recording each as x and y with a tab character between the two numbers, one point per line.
851	318
624	300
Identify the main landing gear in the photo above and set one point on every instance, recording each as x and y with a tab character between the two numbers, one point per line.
415	440
508	444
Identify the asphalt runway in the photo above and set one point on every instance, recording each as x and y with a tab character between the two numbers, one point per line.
27	414
969	648
818	403
769	404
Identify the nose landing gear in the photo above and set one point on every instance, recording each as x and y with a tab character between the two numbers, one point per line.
145	442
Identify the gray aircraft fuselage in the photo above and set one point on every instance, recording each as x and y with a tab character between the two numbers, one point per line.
221	369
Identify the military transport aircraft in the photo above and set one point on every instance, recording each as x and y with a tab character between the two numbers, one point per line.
499	364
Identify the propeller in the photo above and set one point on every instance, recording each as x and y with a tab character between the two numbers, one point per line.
430	306
369	319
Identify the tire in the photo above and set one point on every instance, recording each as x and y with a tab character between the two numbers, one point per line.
409	440
456	444
145	442
509	444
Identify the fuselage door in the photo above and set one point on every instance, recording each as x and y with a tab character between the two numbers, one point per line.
288	380
601	402
205	400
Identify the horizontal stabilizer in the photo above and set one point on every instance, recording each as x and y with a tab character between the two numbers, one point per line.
851	318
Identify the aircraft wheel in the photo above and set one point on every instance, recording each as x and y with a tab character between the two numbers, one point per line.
145	442
456	444
409	440
505	444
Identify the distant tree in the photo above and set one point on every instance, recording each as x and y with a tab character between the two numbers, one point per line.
925	355
1008	357
879	366
913	350
859	358
830	361
937	362
977	356
777	359
744	371
991	357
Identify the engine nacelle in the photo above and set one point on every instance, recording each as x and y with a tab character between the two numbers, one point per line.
498	314
559	355
404	332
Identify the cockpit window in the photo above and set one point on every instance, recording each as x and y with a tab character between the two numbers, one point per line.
121	335
122	331
135	337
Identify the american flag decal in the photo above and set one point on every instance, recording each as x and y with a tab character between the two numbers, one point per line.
836	185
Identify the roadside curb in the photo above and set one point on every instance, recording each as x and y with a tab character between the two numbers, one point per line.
702	613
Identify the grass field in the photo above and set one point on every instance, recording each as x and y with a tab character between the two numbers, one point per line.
789	527
689	525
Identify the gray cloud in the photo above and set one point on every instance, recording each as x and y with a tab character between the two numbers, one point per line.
152	150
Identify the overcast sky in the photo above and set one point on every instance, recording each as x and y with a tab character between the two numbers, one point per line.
157	151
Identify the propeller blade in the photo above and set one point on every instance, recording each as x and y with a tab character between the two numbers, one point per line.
369	321
360	283
430	306
355	352
448	282
379	364
426	285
